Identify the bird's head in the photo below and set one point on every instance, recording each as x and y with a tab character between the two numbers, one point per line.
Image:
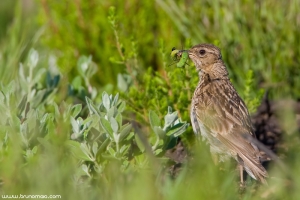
204	56
207	59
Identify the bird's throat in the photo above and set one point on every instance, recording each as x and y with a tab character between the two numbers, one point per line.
214	72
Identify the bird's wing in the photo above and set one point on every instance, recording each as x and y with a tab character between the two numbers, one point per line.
221	109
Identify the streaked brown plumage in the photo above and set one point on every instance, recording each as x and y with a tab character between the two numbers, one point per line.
220	115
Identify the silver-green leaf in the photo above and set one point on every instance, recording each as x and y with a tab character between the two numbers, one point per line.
154	119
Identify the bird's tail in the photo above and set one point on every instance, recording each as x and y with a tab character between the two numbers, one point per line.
248	155
253	167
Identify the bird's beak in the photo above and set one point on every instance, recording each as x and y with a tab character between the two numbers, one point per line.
179	54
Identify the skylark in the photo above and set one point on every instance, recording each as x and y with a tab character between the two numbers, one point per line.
220	115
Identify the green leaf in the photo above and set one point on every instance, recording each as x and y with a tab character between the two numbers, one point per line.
95	148
22	74
157	151
111	151
125	130
86	150
111	112
78	151
159	132
34	149
115	101
121	106
114	124
130	135
92	108
9	89
178	129
93	134
116	61
92	69
38	98
139	143
172	143
77	82
38	75
124	148
119	119
106	101
103	146
22	103
83	64
56	110
76	110
170	118
122	84
106	126
154	119
85	169
55	80
33	58
75	126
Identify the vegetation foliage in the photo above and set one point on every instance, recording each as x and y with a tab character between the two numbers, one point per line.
91	100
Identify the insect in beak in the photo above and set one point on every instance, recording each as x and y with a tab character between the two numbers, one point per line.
182	54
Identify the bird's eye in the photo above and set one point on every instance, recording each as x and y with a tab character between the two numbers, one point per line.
202	52
173	48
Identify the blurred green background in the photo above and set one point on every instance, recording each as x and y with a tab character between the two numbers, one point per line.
83	48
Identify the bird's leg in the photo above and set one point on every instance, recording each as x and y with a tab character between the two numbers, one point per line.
241	175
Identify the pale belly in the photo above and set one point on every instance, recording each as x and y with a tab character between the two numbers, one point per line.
217	148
